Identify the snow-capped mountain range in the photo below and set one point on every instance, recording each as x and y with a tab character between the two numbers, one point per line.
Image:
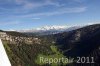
52	27
50	30
45	28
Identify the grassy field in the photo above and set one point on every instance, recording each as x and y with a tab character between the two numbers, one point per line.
56	54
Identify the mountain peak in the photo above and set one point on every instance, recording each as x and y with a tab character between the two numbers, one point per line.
55	27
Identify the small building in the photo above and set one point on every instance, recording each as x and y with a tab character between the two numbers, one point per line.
3	35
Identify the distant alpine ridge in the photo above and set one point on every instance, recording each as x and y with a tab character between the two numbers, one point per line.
46	30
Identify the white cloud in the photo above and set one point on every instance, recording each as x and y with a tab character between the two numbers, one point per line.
26	8
27	4
9	23
35	18
58	12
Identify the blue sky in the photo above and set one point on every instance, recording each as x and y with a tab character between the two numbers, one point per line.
26	14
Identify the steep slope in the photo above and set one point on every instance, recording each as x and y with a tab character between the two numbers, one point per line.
82	42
